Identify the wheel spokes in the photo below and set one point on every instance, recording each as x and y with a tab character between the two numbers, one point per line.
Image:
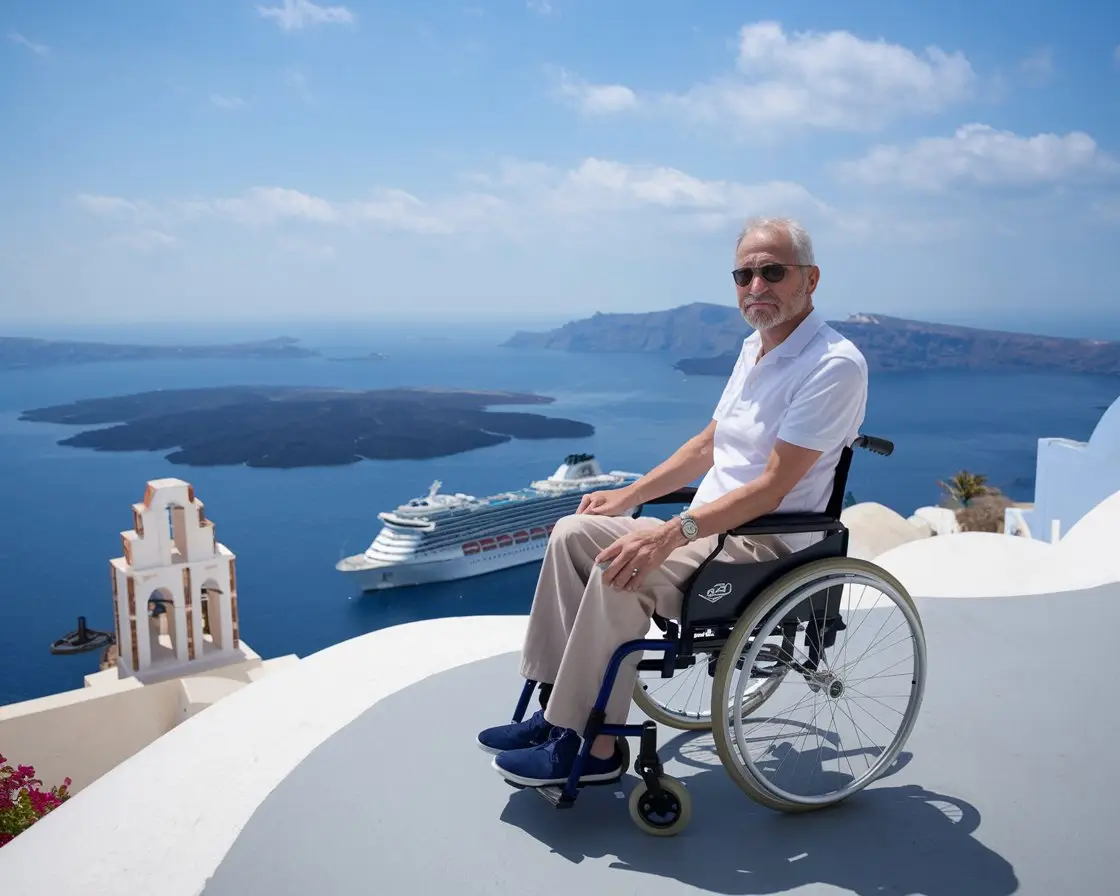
846	704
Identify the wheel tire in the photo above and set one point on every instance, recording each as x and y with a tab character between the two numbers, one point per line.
662	716
760	613
640	811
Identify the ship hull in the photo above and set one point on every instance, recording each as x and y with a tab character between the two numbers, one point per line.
444	538
427	572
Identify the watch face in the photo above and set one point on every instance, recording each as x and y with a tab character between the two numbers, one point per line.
689	527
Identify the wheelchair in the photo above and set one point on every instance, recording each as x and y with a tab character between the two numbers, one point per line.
754	629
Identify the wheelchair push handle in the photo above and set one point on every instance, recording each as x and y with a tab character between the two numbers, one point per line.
876	445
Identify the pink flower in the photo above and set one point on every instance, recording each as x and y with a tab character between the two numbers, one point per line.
22	802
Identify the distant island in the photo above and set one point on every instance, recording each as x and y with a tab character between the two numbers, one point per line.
288	427
21	352
371	356
706	339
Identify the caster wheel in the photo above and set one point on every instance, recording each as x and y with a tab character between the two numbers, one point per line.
665	815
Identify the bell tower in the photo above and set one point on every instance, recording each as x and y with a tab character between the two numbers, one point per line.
174	588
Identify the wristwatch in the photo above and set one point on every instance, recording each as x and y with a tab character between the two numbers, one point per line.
689	527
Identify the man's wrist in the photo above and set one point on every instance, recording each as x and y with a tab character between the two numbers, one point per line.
673	534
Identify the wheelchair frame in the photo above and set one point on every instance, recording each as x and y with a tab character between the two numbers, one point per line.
715	597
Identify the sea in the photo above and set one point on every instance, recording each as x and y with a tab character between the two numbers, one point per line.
62	509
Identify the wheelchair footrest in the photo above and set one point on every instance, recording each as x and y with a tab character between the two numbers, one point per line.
554	794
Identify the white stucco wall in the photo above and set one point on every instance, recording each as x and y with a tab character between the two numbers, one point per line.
1091	545
1071	478
83	733
163	820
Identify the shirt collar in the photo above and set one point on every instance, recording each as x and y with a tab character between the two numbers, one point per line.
794	344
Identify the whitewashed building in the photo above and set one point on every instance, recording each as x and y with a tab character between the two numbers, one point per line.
1071	479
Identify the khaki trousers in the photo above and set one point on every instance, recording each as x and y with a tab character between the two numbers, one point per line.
577	622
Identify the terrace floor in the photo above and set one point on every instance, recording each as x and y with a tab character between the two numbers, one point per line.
1004	787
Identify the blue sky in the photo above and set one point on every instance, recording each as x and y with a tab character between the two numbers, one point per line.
280	160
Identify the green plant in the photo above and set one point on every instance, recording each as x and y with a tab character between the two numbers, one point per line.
964	486
22	801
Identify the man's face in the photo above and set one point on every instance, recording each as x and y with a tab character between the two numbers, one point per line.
765	304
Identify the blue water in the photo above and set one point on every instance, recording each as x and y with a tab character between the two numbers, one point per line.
64	508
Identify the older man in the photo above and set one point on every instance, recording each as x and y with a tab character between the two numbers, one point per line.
794	400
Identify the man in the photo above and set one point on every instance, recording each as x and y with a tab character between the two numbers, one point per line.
794	400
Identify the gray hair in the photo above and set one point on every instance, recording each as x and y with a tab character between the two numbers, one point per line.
798	235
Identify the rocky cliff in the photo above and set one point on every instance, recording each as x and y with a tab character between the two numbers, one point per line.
705	339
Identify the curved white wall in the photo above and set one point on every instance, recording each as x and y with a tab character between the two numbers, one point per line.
976	564
1071	478
162	821
1093	545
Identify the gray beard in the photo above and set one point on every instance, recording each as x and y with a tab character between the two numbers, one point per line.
768	319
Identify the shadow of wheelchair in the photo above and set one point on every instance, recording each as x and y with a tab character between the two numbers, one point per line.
903	839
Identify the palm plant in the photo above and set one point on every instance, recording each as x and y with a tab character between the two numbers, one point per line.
962	487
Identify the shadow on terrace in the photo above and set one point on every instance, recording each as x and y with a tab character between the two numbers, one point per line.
892	839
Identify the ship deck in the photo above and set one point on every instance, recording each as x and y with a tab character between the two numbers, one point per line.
523	495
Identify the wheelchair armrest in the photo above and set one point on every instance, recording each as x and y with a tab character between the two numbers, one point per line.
781	523
680	496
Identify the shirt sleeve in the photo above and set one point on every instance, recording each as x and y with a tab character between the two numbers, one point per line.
828	407
732	390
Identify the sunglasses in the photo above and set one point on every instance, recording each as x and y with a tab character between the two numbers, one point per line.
771	273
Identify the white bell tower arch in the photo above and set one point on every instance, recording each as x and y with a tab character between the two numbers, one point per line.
174	589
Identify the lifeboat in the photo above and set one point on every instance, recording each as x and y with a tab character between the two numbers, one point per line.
472	547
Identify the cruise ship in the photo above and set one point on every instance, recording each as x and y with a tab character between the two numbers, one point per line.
442	537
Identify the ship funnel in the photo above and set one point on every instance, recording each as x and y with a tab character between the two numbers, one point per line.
577	466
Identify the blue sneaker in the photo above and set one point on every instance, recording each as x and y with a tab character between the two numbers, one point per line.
517	735
552	762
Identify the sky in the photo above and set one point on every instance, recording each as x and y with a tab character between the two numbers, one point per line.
230	160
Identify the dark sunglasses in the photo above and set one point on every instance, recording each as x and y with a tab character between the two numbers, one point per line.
771	273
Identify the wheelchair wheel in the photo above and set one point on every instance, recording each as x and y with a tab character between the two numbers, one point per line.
793	759
665	816
684	701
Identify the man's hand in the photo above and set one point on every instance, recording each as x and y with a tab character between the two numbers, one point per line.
635	555
610	502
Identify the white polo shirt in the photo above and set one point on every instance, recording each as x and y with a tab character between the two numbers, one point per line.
810	391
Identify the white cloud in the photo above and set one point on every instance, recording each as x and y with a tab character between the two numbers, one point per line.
542	7
978	154
36	48
297	82
1038	67
1106	209
263	206
309	249
596	98
227	102
296	14
598	186
831	80
518	198
144	241
106	206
